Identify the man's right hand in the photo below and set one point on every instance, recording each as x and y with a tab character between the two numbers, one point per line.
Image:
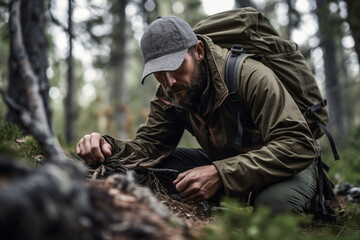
93	148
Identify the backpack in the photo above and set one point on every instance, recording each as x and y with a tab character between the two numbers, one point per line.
251	29
248	33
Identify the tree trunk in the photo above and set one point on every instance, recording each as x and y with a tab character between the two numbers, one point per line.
293	17
119	95
149	16
69	106
332	87
34	118
33	30
244	3
353	8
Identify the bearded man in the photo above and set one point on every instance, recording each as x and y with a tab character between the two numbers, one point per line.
274	162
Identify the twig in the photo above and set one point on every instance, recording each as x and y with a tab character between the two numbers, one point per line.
96	172
163	170
342	229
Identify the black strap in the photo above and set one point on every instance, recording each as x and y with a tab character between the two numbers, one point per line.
314	108
331	140
310	110
321	186
231	72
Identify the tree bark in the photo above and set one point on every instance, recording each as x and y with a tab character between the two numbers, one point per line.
69	106
34	118
33	30
332	87
119	95
353	8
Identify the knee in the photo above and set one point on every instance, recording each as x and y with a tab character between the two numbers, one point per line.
279	203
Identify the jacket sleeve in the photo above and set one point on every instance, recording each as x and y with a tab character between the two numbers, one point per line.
288	143
157	137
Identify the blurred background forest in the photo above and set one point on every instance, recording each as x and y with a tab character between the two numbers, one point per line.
93	61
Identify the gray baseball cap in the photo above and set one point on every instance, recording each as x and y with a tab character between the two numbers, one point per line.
165	43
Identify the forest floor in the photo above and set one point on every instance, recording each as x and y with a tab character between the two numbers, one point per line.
118	206
195	216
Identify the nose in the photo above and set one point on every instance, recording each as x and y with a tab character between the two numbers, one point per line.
170	79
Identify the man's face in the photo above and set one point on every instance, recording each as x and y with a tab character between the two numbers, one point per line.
183	86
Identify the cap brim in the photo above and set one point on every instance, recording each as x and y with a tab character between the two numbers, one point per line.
169	62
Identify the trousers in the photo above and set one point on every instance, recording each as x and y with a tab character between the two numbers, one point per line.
289	195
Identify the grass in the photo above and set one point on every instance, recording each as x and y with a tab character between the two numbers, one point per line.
13	143
242	223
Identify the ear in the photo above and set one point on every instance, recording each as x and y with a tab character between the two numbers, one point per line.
199	51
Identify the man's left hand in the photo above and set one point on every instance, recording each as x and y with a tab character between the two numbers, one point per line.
198	184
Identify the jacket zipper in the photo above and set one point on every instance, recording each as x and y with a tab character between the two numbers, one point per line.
205	123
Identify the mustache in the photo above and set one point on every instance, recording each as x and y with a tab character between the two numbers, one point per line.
175	88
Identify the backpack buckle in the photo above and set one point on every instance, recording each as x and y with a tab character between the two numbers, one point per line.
237	48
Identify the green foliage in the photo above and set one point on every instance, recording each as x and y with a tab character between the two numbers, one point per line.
29	148
8	132
237	222
12	142
242	223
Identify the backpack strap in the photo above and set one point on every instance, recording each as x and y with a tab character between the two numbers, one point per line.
314	108
232	66
325	188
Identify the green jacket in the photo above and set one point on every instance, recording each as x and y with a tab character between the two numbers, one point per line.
277	145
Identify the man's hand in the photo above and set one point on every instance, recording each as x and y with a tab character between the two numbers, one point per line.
93	148
198	184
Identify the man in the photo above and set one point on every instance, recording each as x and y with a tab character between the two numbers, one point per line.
274	162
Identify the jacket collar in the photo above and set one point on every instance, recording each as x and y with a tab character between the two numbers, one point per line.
216	58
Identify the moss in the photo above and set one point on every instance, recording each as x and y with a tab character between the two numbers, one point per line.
12	142
9	132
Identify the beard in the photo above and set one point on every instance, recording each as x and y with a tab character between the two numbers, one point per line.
194	91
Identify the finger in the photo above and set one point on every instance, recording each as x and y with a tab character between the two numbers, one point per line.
180	177
80	148
88	154
78	152
105	147
95	148
190	192
183	184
